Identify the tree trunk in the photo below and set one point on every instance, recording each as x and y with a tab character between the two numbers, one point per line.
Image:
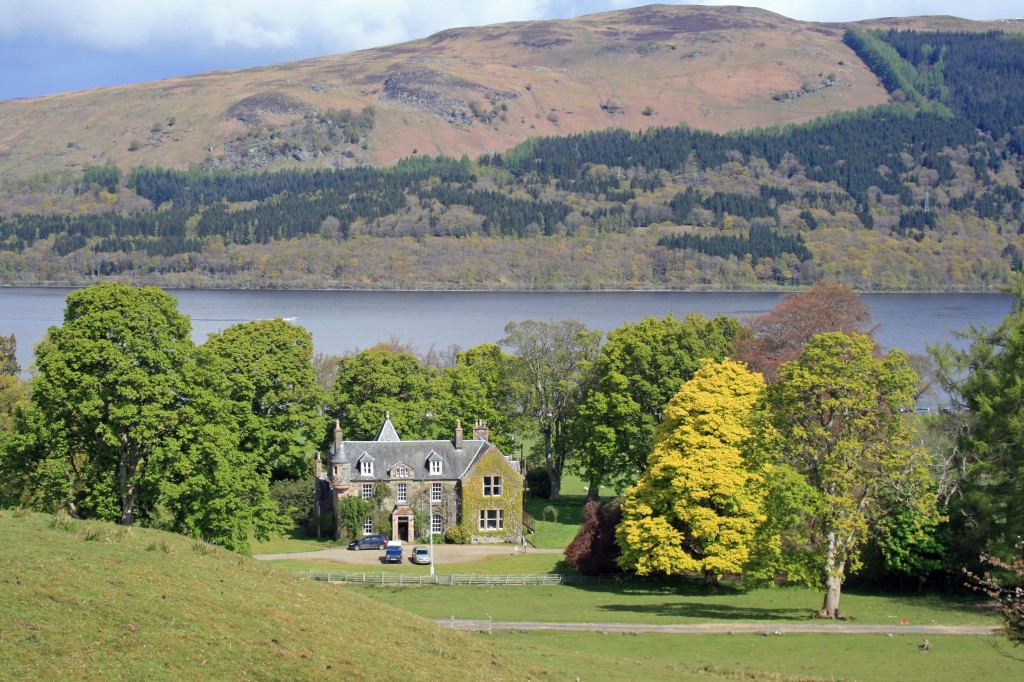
833	579
594	491
833	588
127	487
555	476
556	487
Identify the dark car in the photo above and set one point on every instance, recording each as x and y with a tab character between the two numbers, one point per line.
393	554
369	542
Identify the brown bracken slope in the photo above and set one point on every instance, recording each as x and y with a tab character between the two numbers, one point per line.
471	90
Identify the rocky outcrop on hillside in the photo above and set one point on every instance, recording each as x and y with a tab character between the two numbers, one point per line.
257	108
457	100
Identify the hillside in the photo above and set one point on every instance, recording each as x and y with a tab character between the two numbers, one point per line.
465	90
92	601
897	169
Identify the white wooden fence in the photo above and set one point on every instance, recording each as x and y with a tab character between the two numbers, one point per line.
384	578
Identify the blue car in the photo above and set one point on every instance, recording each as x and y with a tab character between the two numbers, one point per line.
393	554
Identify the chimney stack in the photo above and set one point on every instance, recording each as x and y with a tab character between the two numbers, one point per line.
337	437
458	434
480	430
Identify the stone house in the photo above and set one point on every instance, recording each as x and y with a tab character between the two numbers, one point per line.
462	481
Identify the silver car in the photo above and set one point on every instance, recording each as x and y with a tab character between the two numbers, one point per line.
420	555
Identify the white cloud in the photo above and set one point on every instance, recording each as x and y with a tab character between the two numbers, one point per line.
250	24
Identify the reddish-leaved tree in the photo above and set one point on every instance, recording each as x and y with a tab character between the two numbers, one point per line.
779	335
1007	589
593	551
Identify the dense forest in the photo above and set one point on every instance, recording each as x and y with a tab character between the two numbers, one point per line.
924	193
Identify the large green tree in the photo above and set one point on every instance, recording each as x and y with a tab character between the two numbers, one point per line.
836	409
13	389
110	386
375	382
640	368
124	424
272	386
985	379
216	487
481	385
9	356
699	503
551	358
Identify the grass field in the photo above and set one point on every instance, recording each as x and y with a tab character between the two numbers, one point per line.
663	604
92	601
293	542
595	657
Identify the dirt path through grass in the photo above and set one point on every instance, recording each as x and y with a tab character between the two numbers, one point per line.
766	629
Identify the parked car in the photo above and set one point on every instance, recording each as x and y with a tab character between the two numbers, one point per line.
420	555
393	553
369	542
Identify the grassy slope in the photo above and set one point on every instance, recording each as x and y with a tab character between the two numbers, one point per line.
87	601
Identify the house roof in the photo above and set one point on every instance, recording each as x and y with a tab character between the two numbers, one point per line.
387	431
387	451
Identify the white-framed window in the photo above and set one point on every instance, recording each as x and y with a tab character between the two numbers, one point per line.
435	492
401	472
366	467
368	526
367	491
492	519
401	493
492	486
435	467
436	525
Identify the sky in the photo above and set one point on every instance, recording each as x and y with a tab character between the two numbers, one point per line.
50	46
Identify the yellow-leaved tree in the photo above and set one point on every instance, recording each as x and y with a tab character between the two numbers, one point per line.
699	504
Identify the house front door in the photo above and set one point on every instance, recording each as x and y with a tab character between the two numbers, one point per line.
404	524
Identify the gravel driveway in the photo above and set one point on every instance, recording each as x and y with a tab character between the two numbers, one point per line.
443	554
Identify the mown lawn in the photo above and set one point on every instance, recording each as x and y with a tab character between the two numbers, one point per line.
292	542
596	657
659	603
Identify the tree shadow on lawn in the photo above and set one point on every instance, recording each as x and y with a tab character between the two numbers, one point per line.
694	600
709	612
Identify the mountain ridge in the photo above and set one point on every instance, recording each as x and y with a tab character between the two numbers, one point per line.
468	90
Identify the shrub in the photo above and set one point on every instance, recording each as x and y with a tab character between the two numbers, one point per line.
539	484
458	535
593	551
294	498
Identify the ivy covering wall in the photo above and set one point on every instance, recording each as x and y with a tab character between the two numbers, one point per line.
510	503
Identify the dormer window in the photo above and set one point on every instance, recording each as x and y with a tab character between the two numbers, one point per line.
401	472
434	464
366	467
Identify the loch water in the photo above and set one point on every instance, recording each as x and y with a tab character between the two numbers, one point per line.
344	321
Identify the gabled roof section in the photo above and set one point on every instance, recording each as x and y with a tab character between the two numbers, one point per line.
434	456
395	470
365	457
387	432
